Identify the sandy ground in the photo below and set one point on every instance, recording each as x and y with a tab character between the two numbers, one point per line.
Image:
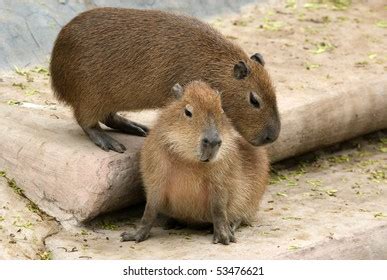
308	203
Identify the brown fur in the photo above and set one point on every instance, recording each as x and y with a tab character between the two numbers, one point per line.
179	185
108	60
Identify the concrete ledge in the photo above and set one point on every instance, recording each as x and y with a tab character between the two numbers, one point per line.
71	179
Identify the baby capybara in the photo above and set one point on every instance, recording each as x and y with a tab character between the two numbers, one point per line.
197	169
110	59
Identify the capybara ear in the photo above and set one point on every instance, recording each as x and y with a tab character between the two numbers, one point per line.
258	58
241	70
177	90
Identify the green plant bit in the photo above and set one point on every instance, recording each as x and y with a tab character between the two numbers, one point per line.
240	22
331	192
342	18
13	102
293	247
34	208
314	6
340	4
231	37
292	183
377	176
272	25
109	225
360	64
19	223
24	73
45	255
380	215
291	4
382	24
20	71
2	219
19	85
12	185
339	159
323	47
314	183
41	70
310	66
276	177
281	194
31	92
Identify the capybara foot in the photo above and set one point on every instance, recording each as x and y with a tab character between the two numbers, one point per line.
104	141
120	123
127	237
235	225
139	236
223	235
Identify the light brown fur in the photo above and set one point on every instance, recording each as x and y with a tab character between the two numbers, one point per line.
108	60
181	186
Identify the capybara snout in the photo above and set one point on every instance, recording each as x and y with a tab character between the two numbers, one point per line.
270	133
210	143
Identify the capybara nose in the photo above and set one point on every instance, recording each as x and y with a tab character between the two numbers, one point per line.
269	135
212	142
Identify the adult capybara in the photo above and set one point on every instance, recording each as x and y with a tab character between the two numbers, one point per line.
110	59
197	169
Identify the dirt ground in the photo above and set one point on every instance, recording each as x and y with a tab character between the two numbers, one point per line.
327	195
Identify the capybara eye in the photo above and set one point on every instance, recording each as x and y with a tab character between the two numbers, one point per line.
254	100
188	110
188	113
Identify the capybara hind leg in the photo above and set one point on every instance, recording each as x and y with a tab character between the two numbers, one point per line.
103	140
235	225
118	122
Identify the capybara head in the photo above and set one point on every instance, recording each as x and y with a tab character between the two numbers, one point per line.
250	101
197	128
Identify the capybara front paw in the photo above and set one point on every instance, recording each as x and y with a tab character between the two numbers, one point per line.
223	236
137	237
127	237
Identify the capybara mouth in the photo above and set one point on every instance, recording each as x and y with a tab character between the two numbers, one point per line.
256	142
207	156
